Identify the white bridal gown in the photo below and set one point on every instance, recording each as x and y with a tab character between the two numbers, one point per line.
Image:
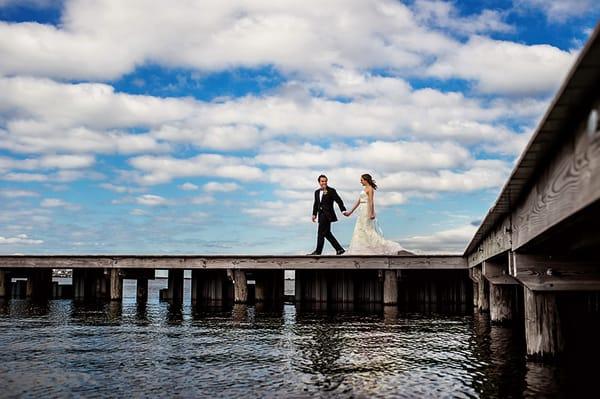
368	238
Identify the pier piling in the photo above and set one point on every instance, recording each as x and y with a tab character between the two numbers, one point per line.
543	334
142	290
390	287
116	285
4	284
175	285
240	286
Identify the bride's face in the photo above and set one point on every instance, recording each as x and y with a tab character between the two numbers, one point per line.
363	181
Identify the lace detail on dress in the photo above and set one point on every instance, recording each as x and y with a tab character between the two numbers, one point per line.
368	238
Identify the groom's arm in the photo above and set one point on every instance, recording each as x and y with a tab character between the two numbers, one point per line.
339	201
315	207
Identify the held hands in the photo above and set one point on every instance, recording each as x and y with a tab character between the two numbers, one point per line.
372	216
346	213
314	218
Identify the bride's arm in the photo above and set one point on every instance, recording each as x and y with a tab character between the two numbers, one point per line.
353	208
371	203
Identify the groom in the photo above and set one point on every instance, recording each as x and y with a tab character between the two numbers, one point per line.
323	209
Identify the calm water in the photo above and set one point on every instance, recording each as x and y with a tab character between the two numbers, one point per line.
63	349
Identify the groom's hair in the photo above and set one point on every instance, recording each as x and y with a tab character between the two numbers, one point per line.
321	176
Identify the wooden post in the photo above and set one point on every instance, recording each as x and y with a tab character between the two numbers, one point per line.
542	325
39	284
390	287
142	290
78	284
501	302
175	285
483	298
261	286
240	286
116	285
4	284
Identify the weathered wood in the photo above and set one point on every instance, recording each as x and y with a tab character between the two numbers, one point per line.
142	290
39	284
501	302
175	285
543	332
116	285
269	286
483	296
497	273
254	262
390	287
569	182
4	284
240	285
78	284
497	241
556	273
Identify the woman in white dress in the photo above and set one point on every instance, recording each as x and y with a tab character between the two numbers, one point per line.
368	238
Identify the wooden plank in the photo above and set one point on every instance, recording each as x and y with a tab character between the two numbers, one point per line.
497	241
497	273
237	262
568	184
551	273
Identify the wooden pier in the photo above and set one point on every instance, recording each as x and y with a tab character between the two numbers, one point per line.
540	242
535	258
219	279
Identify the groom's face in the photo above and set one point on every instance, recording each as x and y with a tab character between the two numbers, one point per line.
323	182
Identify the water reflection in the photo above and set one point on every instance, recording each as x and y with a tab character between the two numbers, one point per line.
66	348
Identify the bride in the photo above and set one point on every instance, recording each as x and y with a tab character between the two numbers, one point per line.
368	238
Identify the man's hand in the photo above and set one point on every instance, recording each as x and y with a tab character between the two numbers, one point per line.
372	216
346	213
314	218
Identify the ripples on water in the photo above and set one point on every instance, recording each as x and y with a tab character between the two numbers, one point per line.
69	349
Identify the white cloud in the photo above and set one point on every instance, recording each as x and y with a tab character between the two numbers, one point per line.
558	10
121	189
58	203
156	170
187	186
20	239
445	15
48	162
221	187
151	200
498	66
202	200
138	212
17	193
445	241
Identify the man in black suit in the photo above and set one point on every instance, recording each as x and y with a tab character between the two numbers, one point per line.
323	209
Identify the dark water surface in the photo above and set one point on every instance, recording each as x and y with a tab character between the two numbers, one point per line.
65	349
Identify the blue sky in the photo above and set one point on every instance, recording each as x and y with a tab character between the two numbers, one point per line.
140	127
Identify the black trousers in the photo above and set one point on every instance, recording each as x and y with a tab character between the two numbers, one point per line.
323	233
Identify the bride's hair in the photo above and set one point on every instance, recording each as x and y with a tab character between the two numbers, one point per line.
370	180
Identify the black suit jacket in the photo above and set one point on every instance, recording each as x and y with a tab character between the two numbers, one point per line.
324	208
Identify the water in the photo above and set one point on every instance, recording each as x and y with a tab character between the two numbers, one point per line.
64	349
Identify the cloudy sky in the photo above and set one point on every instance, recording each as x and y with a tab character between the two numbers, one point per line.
201	126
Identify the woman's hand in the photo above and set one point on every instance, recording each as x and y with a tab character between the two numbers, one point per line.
372	216
346	213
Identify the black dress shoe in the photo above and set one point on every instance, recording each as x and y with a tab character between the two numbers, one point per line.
340	252
314	253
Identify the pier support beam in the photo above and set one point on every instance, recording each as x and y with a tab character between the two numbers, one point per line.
211	287
39	284
483	295
78	284
175	285
501	302
390	287
142	290
116	285
240	286
543	333
269	286
4	284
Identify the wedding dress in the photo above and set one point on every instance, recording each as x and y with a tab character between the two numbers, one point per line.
368	238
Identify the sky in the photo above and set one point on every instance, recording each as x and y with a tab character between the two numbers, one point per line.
200	127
